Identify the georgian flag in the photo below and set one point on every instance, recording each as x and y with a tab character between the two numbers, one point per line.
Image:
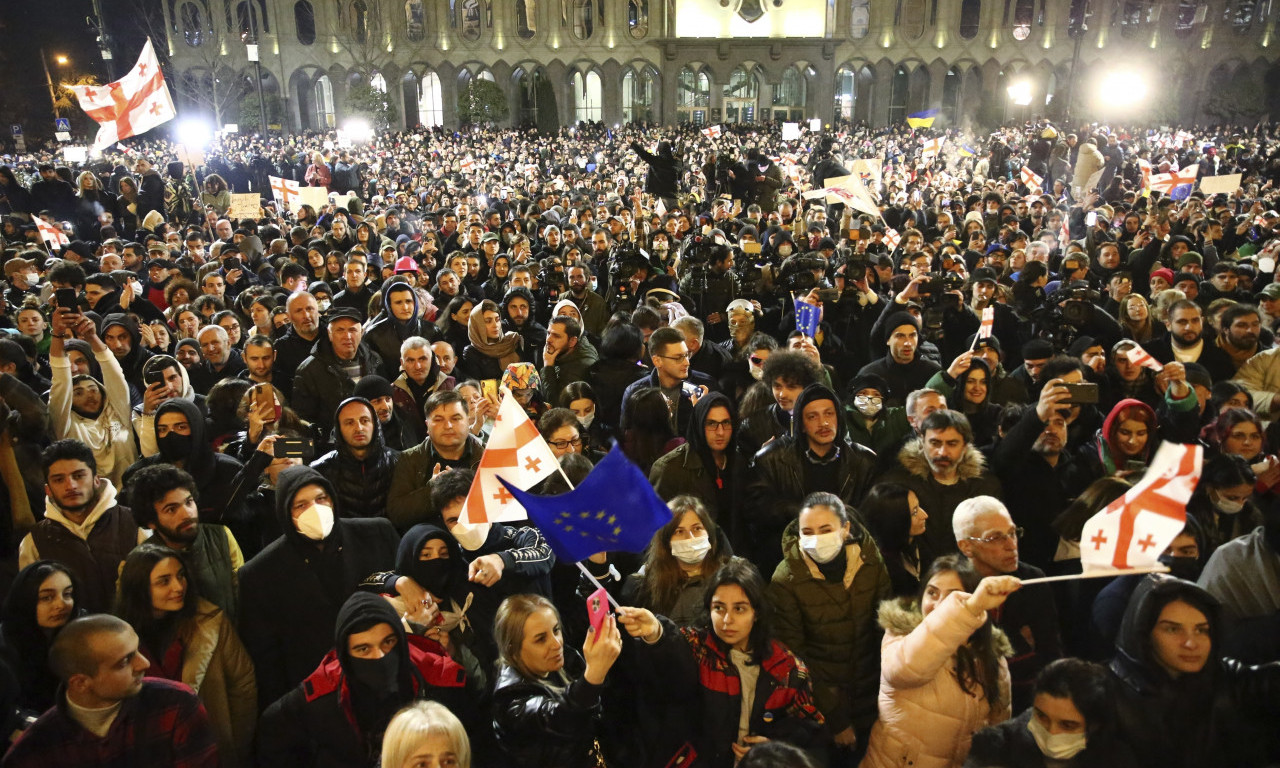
51	233
1034	181
130	106
285	191
932	148
1140	357
988	323
712	132
518	453
892	238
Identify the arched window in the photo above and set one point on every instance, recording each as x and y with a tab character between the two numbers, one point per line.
430	104
1024	12
584	19
415	20
859	19
526	18
377	82
1240	14
638	18
1132	15
304	18
192	23
360	21
1078	16
586	96
637	96
970	18
951	88
693	96
789	95
324	102
251	19
898	94
911	18
471	20
1190	13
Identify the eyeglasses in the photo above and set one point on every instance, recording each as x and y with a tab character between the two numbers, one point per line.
999	538
675	358
716	426
756	360
561	445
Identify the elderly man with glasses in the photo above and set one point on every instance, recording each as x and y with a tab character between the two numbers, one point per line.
985	534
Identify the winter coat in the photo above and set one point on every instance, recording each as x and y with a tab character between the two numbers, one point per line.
539	725
939	500
110	435
570	366
409	408
610	378
926	718
664	170
1011	745
321	382
832	625
386	334
777	484
1223	715
217	667
1089	161
408	499
362	484
690	469
291	591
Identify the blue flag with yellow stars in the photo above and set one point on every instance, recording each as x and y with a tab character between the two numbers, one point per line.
613	510
806	318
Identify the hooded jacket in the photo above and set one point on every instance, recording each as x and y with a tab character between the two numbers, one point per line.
832	624
333	719
110	433
361	484
1223	715
940	500
138	355
409	405
778	485
533	332
321	383
290	592
1011	745
664	169
690	469
926	718
386	333
144	424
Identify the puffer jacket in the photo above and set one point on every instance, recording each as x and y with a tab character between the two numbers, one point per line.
941	500
218	668
362	484
321	382
832	625
538	725
927	720
777	485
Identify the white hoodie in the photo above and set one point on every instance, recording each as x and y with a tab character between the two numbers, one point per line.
27	553
110	435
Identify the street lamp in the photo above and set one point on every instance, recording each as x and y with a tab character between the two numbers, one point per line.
53	95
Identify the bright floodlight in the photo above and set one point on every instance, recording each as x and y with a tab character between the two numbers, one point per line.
359	130
194	133
1020	93
1125	84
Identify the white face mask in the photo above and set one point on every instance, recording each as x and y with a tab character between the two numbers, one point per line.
866	406
784	250
323	305
1228	507
691	551
757	372
824	546
316	522
586	419
33	278
1059	746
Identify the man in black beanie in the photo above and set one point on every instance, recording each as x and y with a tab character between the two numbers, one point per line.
902	367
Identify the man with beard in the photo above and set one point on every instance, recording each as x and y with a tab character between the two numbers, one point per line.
902	367
1185	342
360	465
943	468
83	526
591	305
163	499
1241	330
517	316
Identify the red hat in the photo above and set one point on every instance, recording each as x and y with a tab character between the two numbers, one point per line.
406	264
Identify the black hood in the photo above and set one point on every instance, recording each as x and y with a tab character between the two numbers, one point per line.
290	481
376	445
404	328
812	393
697	434
81	346
129	324
362	611
407	563
1135	661
200	464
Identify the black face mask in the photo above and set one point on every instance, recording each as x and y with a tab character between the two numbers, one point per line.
434	576
379	675
174	446
1185	568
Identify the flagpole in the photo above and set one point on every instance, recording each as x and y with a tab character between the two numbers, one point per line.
1096	574
582	567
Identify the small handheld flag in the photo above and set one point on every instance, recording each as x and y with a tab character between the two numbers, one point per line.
806	318
285	191
932	148
51	233
892	238
712	132
1172	183
515	451
988	322
1140	357
1034	181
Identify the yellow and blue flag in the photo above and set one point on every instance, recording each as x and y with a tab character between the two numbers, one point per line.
613	510
967	151
922	119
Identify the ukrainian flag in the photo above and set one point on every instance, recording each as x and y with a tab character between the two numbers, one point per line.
922	119
967	151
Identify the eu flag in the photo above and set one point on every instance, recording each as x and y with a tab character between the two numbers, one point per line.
613	510
806	319
922	119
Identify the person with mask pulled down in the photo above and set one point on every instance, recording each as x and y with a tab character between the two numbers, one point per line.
338	715
825	594
291	591
1071	724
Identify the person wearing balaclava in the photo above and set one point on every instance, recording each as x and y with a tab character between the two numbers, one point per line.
338	715
291	592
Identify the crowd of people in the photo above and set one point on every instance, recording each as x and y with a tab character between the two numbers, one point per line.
237	448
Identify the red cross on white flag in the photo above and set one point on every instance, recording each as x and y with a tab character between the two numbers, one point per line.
892	238
50	233
1140	357
988	323
286	191
130	106
1135	529
1034	182
712	132
518	453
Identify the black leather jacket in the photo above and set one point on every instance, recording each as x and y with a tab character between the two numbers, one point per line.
539	725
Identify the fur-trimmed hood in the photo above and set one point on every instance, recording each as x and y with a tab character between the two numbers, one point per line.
913	459
901	616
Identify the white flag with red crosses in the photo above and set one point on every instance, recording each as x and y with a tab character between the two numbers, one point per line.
1135	529
1141	357
130	106
1033	180
518	453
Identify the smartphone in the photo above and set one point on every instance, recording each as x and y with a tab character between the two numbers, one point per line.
855	234
292	448
489	388
1083	393
67	299
264	396
828	294
232	263
154	376
1090	219
1135	466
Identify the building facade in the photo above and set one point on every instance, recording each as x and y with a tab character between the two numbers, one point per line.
710	61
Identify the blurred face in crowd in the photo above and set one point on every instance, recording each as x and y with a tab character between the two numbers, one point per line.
718	429
344	336
902	344
444	353
821	423
1185	326
214	346
944	448
1244	440
416	363
1244	331
939	587
259	359
356	424
447	426
304	314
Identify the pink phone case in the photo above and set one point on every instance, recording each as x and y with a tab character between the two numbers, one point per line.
597	608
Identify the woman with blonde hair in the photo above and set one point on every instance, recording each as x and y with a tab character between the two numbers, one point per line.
425	734
318	173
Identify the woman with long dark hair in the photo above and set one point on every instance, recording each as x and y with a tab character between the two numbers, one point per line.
191	640
41	601
453	322
649	434
943	673
893	515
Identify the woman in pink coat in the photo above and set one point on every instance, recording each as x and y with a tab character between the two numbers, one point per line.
942	670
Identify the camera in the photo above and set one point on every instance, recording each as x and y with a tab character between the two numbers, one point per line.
1075	303
798	273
